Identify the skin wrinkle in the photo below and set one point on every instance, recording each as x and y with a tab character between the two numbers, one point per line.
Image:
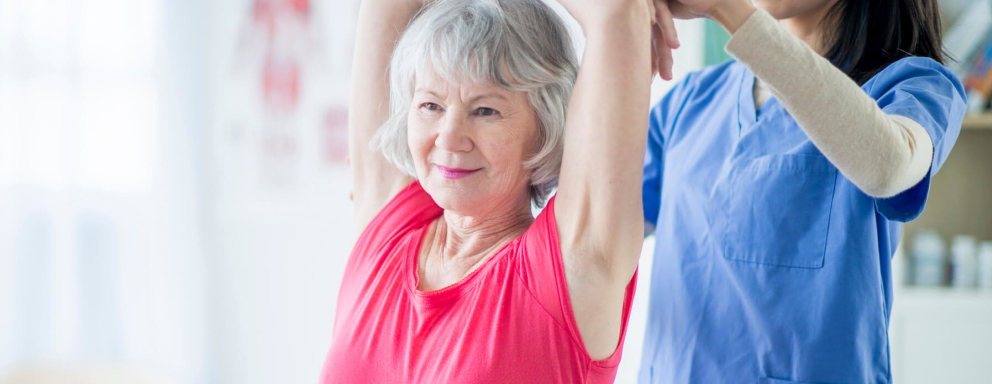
485	49
489	208
458	245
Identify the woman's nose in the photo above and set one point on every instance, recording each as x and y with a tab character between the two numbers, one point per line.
453	135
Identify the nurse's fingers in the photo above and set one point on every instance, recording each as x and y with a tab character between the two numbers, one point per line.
662	53
663	17
655	59
654	50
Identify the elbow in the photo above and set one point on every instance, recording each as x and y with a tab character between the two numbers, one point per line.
902	166
884	186
896	178
889	177
884	174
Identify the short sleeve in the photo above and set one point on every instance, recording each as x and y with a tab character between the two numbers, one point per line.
660	125
410	209
923	90
541	266
542	270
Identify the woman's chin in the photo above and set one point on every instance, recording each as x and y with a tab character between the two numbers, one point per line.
451	199
471	198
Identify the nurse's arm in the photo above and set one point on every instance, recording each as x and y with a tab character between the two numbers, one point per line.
881	154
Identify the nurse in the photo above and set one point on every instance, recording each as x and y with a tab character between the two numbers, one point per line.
777	183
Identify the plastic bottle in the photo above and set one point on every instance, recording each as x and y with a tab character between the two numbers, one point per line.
964	262
928	259
985	265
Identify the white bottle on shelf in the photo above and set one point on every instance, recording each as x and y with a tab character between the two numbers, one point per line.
985	265
964	262
928	258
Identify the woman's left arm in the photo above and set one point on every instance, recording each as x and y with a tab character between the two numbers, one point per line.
598	204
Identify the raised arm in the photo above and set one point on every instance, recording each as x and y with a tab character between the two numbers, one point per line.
598	205
380	24
882	154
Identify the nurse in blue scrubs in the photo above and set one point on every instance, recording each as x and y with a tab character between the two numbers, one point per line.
776	184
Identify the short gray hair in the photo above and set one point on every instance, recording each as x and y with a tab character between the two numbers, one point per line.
520	45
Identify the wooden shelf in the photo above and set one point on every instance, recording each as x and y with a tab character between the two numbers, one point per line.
980	121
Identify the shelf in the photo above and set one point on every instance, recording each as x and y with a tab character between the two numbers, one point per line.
979	121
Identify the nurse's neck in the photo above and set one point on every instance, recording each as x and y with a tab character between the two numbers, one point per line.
809	29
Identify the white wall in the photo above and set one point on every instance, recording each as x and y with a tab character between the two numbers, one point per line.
278	211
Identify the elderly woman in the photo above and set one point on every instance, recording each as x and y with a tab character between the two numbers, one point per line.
452	279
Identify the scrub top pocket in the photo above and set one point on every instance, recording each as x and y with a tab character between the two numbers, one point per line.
775	210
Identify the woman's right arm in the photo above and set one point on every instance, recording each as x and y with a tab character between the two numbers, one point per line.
376	180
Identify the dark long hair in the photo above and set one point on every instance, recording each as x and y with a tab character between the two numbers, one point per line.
868	35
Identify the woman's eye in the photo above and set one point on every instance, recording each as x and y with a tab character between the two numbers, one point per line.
486	112
430	107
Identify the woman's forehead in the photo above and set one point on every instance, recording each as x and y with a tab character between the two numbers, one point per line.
429	81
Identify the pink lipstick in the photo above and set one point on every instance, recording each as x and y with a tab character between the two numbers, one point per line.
454	173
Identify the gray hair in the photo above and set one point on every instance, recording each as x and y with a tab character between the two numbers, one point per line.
519	45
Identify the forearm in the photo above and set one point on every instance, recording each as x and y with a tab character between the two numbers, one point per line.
881	154
610	105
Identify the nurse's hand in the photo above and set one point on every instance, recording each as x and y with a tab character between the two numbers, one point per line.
594	14
729	13
664	39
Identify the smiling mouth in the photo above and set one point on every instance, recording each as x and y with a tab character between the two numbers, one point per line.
454	173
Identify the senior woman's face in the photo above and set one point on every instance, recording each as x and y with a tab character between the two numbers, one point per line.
469	142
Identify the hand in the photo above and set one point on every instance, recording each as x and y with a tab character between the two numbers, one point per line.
664	39
729	13
689	9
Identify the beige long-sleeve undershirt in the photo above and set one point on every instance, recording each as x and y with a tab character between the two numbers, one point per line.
881	154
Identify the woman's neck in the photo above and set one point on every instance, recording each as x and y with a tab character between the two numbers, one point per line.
457	245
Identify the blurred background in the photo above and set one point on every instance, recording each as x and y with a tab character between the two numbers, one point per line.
174	198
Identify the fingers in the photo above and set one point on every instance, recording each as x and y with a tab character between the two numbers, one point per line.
664	39
655	42
662	53
664	18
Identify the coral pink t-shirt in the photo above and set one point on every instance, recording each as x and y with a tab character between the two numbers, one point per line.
510	321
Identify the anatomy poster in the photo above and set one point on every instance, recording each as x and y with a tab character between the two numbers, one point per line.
282	100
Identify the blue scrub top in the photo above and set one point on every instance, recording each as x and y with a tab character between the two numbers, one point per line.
770	266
